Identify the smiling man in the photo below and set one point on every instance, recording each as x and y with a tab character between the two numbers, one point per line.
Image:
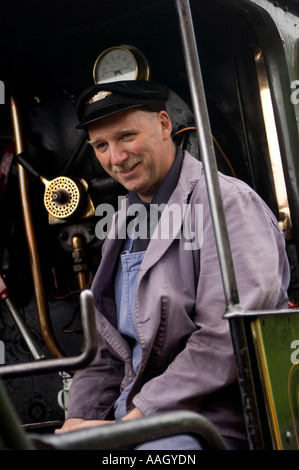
135	149
163	344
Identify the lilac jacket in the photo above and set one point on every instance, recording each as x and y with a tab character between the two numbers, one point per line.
187	356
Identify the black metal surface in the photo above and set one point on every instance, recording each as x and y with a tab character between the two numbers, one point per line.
12	436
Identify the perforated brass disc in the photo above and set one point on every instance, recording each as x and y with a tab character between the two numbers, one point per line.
67	208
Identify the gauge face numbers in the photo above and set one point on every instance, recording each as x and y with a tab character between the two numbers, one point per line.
114	65
124	62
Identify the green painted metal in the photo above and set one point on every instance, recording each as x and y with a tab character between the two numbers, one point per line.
276	339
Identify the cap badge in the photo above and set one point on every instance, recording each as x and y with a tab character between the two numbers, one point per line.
99	96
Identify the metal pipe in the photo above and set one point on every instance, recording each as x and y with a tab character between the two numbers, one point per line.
124	434
205	141
26	333
66	363
24	329
80	266
40	297
260	313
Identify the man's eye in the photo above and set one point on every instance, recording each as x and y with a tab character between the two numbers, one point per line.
101	146
128	136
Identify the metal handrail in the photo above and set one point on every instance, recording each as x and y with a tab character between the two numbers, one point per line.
126	434
260	313
66	363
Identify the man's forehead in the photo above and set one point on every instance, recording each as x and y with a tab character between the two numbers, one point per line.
98	134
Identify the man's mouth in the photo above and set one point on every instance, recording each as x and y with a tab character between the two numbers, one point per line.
130	168
126	167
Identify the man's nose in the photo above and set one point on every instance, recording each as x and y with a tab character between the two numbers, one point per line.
117	154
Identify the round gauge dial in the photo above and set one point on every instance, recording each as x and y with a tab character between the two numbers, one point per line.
120	63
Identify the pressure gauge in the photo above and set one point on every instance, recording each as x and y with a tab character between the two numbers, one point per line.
121	63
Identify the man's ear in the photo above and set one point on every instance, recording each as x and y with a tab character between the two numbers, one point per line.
165	124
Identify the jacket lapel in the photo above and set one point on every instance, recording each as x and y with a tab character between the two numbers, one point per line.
170	224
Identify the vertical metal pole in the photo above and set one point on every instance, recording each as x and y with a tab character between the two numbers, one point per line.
208	157
207	153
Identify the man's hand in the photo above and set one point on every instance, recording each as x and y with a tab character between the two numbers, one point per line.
135	413
74	424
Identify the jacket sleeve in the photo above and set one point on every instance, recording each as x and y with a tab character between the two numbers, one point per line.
207	364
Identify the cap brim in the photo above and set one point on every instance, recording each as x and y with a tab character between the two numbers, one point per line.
113	109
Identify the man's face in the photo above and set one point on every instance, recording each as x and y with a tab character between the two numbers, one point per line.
135	148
